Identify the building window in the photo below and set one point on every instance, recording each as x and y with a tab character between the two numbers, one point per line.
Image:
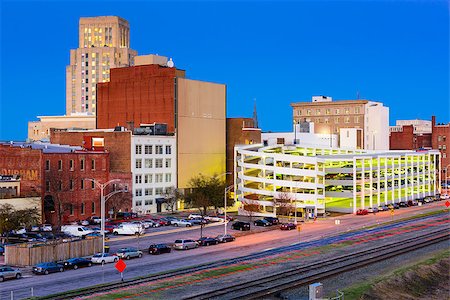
47	165
138	203
148	149
47	186
93	164
347	110
308	112
347	120
159	191
318	112
337	111
439	138
92	185
159	178
71	210
138	179
148	178
82	208
71	165
158	163
93	207
158	149
356	110
138	149
357	119
138	192
444	147
71	184
168	177
327	111
148	192
168	149
60	165
139	163
60	185
299	112
168	163
336	120
82	184
149	163
444	155
148	202
82	165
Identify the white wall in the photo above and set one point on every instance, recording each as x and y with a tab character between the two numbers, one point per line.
348	138
376	131
302	138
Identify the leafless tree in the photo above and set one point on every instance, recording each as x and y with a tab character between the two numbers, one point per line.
171	196
283	204
251	209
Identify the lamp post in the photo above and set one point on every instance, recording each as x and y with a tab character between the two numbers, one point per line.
227	189
103	199
295	132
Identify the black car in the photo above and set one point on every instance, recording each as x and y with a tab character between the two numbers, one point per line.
288	226
402	204
207	241
36	236
75	263
272	220
224	238
49	267
158	249
239	225
262	222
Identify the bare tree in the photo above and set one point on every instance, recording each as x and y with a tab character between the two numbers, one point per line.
251	209
283	204
171	196
117	203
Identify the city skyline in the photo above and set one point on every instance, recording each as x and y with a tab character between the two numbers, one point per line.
337	49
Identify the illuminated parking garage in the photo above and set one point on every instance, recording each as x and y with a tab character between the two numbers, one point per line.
289	179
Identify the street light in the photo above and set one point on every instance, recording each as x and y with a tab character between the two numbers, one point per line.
295	132
227	189
103	199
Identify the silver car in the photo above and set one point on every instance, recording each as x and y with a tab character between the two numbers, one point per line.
185	244
6	272
128	253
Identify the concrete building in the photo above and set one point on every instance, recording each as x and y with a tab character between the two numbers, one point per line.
40	130
193	110
317	179
104	43
329	117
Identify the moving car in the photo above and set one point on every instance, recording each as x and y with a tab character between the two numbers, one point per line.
104	258
207	241
362	212
239	225
158	249
6	272
77	262
185	244
178	223
128	253
224	238
129	229
48	267
272	220
288	226
262	222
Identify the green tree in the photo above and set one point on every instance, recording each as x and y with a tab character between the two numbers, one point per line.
13	219
205	192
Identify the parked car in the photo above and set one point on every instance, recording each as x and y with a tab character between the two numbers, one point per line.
272	220
207	241
48	267
288	226
239	225
128	229
95	220
93	235
36	236
21	230
46	227
158	249
104	258
161	222
428	199
35	228
168	220
372	210
222	216
380	208
412	203
151	223
7	272
185	244
20	238
110	228
362	212
224	238
198	221
403	204
396	205
144	224
213	218
129	252
385	207
84	223
76	230
194	216
262	223
126	215
77	262
99	230
2	250
444	197
177	223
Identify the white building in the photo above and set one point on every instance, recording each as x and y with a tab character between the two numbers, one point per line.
314	179
154	169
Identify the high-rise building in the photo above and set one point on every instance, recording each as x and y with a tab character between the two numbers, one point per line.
104	43
361	124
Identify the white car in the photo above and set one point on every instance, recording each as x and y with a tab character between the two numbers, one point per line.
46	227
213	219
129	228
194	216
84	222
177	223
445	196
104	258
145	224
151	223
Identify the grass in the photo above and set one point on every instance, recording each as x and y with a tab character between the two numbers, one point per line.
355	292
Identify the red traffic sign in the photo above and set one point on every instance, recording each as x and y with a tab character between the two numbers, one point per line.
120	265
447	203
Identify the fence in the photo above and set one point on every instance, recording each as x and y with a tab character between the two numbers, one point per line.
33	253
17	294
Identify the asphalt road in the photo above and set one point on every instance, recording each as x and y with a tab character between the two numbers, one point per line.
58	282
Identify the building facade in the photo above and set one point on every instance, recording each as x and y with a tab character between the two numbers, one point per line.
440	140
317	179
40	130
329	117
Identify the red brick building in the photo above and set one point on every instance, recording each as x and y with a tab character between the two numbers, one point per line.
408	139
441	141
59	174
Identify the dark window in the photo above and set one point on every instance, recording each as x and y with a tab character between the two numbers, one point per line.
47	165
71	209
60	185
82	208
71	165
71	184
82	164
93	207
93	164
82	184
60	165
92	185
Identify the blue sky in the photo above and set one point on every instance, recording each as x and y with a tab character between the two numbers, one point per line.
396	52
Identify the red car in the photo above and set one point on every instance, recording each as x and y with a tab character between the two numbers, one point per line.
362	212
288	226
160	222
110	228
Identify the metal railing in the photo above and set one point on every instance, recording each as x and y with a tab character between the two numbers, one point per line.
17	294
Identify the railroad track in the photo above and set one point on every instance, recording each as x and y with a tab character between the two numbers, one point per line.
295	277
149	278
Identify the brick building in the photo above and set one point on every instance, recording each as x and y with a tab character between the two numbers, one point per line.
59	175
406	137
441	140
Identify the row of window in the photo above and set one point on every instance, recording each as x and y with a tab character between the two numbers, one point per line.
148	149
148	178
328	111
149	192
148	163
442	138
146	202
71	185
82	209
337	120
71	165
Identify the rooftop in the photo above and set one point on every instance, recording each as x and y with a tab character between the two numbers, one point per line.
46	147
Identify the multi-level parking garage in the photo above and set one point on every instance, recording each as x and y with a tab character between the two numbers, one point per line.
310	180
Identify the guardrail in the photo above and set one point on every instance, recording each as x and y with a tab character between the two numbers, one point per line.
17	294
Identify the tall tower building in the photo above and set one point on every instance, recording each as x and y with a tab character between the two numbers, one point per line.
104	43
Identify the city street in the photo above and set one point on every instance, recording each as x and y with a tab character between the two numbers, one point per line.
69	280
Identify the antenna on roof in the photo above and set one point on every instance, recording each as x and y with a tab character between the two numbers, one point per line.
357	95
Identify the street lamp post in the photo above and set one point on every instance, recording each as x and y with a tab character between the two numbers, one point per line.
295	132
103	199
227	189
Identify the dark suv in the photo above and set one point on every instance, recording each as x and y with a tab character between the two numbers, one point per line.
272	220
242	226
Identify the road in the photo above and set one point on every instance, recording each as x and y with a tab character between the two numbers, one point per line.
149	264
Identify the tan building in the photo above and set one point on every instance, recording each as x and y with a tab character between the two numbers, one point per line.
362	124
40	130
104	43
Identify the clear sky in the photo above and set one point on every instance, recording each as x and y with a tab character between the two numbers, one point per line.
396	52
